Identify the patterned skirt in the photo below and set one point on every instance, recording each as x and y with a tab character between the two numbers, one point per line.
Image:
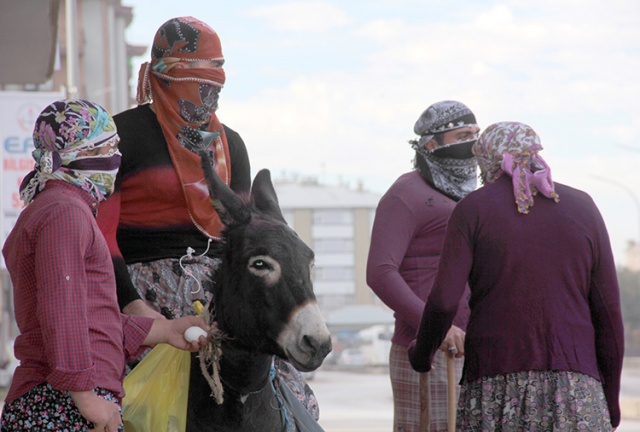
533	401
45	409
170	287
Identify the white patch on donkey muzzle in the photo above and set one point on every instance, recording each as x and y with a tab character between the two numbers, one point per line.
306	339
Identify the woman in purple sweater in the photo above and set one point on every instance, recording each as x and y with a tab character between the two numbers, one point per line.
408	230
544	342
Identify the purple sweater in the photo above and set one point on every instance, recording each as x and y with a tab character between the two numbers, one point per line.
544	290
406	240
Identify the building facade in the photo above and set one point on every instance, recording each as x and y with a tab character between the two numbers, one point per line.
92	35
335	221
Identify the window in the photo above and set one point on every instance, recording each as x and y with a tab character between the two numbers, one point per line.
321	245
332	217
333	273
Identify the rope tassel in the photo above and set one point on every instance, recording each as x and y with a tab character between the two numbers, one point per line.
210	355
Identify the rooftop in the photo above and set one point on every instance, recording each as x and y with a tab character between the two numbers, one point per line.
308	193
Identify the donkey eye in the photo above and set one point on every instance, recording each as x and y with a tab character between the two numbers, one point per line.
266	268
260	265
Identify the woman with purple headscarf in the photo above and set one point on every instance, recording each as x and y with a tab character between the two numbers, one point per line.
544	343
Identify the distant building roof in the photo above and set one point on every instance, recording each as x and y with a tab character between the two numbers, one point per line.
311	194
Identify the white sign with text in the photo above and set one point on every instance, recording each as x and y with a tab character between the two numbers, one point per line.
18	113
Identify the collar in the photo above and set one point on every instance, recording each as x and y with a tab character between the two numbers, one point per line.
85	196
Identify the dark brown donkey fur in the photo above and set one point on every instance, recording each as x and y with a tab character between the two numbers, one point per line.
264	301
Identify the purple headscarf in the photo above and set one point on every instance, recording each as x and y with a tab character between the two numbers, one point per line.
512	148
64	130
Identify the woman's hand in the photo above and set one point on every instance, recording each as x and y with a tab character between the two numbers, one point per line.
104	415
172	332
454	342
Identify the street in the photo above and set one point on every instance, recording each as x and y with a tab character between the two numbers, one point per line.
360	400
353	401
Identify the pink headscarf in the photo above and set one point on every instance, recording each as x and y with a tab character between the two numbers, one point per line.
512	148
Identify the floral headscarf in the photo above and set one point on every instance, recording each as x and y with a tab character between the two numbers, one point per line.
185	100
63	130
512	148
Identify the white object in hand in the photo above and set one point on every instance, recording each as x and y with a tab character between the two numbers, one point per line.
192	334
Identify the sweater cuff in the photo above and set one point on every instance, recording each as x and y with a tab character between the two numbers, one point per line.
136	329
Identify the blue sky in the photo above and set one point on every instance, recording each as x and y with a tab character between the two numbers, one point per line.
331	89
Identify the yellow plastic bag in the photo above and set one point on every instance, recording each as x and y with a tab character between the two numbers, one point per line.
157	391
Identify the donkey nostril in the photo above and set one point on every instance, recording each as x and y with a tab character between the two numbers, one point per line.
309	342
312	344
326	347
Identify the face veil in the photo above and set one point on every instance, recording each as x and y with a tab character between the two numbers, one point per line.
452	168
185	100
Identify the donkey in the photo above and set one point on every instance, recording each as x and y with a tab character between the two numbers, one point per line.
263	300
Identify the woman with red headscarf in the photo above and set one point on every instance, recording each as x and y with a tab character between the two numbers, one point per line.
161	227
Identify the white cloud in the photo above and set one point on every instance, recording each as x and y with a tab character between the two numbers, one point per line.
302	16
566	67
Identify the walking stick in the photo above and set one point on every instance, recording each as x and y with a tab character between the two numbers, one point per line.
425	402
451	391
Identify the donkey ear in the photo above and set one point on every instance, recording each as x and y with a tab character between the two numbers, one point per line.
264	195
229	206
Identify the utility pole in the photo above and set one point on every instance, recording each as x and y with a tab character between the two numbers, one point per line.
72	48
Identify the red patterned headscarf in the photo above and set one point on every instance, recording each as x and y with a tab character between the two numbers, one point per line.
512	148
185	100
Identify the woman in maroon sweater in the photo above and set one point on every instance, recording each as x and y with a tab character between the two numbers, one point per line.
544	342
406	240
73	340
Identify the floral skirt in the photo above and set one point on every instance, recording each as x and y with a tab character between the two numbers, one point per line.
45	409
533	401
170	287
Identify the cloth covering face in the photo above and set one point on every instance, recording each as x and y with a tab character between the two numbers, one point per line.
454	177
185	99
452	167
62	131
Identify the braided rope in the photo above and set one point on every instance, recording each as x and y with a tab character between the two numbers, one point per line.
210	357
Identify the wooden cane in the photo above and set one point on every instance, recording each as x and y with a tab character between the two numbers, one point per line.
425	402
451	391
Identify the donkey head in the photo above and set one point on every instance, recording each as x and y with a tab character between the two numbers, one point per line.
263	292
